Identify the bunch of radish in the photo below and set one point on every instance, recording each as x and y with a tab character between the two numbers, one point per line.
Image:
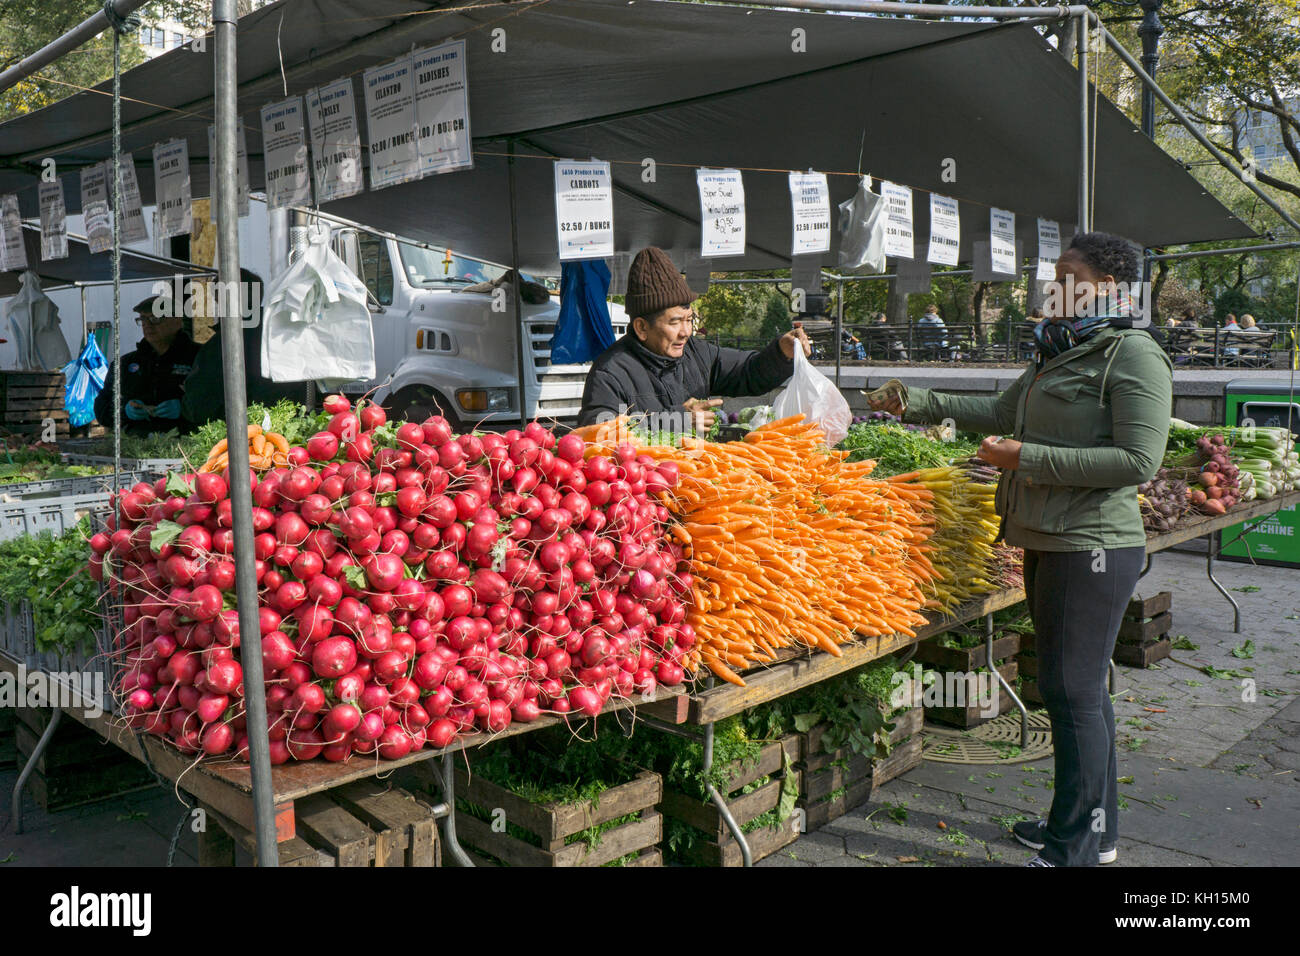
413	586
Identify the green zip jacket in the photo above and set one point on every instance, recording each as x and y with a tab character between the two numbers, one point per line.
1093	426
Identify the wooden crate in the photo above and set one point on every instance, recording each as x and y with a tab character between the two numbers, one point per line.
77	767
1143	655
973	714
553	824
968	658
8	746
858	776
364	823
27	398
720	847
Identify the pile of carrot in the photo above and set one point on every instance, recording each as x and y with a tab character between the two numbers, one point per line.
265	450
792	546
964	528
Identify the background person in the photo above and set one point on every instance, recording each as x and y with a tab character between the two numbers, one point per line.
659	365
1087	423
153	374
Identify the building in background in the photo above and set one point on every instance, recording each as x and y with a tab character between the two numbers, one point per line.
158	34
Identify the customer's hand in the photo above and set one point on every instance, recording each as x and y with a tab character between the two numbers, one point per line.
796	334
168	409
136	411
1000	452
702	414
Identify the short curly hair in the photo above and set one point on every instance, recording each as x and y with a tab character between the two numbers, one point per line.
1108	254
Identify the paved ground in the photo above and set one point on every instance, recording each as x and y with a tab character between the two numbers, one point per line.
1207	778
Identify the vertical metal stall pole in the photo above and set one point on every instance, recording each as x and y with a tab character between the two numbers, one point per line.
230	315
1212	543
1015	698
1085	214
524	337
839	331
447	783
718	799
117	262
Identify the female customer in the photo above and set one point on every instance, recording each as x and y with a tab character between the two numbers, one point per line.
1074	436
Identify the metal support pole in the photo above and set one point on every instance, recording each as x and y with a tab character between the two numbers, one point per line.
720	802
524	337
117	263
1015	698
839	331
1150	32
1211	551
1085	214
447	784
241	492
85	31
28	767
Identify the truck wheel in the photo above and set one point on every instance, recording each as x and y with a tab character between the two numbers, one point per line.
415	403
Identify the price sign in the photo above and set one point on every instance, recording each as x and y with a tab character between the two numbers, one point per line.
442	109
722	212
335	141
898	220
1002	242
584	210
945	231
284	150
54	221
1049	249
810	205
171	183
390	122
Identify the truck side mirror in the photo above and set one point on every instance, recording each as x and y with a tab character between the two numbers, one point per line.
347	246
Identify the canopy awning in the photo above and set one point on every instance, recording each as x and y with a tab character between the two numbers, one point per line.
986	113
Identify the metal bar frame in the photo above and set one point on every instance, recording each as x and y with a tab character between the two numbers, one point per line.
1015	698
83	32
41	746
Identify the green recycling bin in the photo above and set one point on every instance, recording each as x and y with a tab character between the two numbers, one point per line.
1276	539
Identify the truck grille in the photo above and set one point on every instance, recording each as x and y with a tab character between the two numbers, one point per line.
539	335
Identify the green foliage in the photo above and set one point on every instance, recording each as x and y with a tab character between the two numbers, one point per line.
51	573
39	464
898	451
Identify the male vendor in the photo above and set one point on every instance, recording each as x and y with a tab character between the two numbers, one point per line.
661	366
152	374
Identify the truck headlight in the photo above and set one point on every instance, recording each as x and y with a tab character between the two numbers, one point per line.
484	399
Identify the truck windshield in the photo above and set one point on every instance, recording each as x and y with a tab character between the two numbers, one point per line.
431	267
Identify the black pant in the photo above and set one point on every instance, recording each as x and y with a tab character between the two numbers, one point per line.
1076	601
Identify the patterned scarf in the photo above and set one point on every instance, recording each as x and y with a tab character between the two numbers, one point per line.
1054	337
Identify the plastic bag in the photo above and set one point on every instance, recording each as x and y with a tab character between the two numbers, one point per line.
84	381
862	232
813	395
583	329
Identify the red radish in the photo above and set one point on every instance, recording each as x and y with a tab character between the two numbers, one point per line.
277	651
224	676
334	657
209	488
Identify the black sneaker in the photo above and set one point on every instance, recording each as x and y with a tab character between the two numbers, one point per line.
1039	861
1030	833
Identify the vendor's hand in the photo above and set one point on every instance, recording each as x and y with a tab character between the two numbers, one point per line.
168	409
891	403
136	411
702	414
1000	452
795	335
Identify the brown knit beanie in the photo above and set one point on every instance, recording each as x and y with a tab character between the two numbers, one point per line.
654	284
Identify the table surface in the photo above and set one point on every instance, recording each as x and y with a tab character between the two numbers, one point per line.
226	785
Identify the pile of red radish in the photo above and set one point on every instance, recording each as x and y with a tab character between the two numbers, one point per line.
414	586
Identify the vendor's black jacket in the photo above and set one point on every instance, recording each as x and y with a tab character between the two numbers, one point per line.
149	378
628	377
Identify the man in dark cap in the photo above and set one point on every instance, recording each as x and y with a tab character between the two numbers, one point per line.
153	374
661	367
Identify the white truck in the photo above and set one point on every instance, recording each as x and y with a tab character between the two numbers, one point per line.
446	337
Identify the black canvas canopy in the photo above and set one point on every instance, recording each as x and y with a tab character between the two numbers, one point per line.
686	85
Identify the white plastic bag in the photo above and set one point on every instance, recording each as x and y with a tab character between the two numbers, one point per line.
862	232
315	321
813	395
35	324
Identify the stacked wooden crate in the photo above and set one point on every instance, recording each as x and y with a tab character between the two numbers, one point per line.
78	766
554	834
29	399
835	781
776	765
1144	633
956	670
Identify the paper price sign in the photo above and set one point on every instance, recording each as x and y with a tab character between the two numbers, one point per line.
171	183
722	212
241	172
13	249
810	205
133	228
95	213
335	141
898	220
442	109
284	148
945	231
54	221
1002	242
390	121
1049	249
584	210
